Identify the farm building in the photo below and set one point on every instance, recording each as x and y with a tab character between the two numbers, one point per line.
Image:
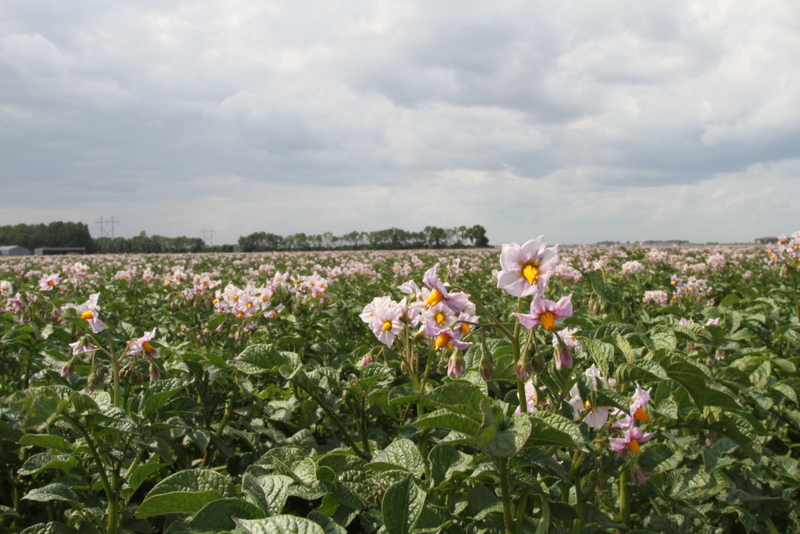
14	250
50	251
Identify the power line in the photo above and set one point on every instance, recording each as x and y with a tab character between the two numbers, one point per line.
208	236
110	222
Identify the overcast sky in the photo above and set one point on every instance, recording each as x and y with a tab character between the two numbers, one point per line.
583	121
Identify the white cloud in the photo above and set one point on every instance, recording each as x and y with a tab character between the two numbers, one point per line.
623	120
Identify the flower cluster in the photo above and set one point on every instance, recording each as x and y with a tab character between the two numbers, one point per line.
443	316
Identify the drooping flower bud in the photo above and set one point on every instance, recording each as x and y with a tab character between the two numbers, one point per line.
524	367
637	475
563	356
456	367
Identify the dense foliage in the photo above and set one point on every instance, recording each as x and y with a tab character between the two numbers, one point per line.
336	392
391	239
55	234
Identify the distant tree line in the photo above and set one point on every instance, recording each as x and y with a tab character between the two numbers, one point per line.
69	234
391	239
143	243
55	234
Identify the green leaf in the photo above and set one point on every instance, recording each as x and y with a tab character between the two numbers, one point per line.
552	429
601	353
700	385
606	292
43	411
141	473
279	524
499	438
695	483
261	358
545	463
45	460
624	347
481	501
52	527
610	399
446	419
55	492
47	441
402	454
159	393
642	370
445	460
544	523
459	396
268	492
218	516
402	505
186	492
658	457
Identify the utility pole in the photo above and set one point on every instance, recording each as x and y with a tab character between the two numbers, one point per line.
103	222
208	236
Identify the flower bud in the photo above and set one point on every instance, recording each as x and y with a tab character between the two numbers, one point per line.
563	356
637	475
524	368
68	369
456	367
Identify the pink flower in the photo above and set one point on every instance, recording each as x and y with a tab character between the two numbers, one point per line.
143	346
455	301
632	439
640	399
89	314
546	312
47	283
526	268
82	346
445	338
386	323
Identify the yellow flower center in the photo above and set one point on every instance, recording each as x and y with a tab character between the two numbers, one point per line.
434	298
387	325
531	273
633	445
641	415
249	305
440	318
548	321
465	328
51	283
87	315
167	282
148	348
442	341
235	298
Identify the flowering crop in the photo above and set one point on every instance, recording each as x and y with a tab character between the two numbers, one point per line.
530	388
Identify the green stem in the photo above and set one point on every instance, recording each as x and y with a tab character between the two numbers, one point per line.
335	420
771	526
114	369
110	491
624	499
508	513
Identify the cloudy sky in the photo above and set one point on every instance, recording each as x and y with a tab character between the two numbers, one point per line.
583	121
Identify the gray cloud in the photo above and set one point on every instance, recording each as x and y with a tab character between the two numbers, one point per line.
181	115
